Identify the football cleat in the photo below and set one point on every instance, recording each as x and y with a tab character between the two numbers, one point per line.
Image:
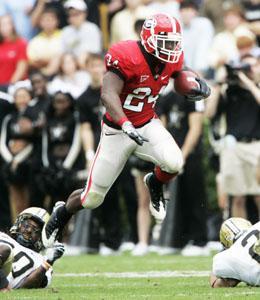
52	230
158	203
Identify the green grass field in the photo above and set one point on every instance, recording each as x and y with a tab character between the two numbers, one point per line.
152	277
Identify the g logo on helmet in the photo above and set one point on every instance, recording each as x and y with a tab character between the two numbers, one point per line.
150	23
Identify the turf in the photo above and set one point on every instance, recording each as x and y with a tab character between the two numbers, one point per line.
152	277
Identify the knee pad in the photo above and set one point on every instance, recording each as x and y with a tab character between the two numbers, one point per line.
92	199
173	161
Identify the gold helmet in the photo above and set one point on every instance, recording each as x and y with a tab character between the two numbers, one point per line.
256	247
232	229
26	233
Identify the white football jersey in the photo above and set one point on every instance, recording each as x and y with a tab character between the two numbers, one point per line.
240	261
25	261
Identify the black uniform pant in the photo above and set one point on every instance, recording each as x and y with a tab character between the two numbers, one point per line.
190	206
5	215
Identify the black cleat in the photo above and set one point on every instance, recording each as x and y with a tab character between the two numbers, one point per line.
52	230
158	203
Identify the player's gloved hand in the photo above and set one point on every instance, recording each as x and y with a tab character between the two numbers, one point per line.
201	93
129	129
55	252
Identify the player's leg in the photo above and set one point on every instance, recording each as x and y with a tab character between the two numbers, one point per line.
110	158
163	151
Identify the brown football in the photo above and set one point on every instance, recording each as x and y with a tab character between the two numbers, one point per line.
185	82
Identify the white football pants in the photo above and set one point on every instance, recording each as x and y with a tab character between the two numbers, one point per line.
113	151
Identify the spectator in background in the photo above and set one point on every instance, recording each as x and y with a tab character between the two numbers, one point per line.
13	58
93	10
239	99
80	37
89	107
139	169
69	78
184	121
20	12
62	153
214	11
38	108
6	107
170	7
246	43
252	15
16	149
45	48
42	5
233	20
194	26
122	24
40	94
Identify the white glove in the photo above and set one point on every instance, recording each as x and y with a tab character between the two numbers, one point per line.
54	253
129	129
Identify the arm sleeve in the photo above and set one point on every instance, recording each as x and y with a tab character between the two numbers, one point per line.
223	265
117	62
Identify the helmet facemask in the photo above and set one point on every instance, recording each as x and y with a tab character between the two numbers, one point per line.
29	233
167	46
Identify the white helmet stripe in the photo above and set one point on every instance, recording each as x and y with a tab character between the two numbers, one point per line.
174	29
41	213
233	227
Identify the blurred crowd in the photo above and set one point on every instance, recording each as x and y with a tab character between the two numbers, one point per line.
51	69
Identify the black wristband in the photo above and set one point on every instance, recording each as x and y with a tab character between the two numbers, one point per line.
3	280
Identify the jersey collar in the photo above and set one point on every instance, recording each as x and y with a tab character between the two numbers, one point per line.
156	67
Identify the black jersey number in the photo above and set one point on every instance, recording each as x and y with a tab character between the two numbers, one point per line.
244	242
21	263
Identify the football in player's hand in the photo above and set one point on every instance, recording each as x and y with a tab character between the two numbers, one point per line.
185	83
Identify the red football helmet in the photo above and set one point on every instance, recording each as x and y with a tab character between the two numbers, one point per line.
161	36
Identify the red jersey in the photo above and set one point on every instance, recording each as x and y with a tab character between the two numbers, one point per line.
142	84
11	52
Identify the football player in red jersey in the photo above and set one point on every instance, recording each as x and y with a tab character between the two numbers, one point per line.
137	71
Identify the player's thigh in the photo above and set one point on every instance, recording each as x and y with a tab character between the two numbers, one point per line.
161	149
111	155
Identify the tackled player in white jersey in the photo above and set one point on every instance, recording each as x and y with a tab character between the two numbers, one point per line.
240	261
21	264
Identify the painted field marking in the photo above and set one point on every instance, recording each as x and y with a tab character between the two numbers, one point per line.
149	274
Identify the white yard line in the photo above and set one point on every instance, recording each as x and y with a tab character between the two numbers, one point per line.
149	274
